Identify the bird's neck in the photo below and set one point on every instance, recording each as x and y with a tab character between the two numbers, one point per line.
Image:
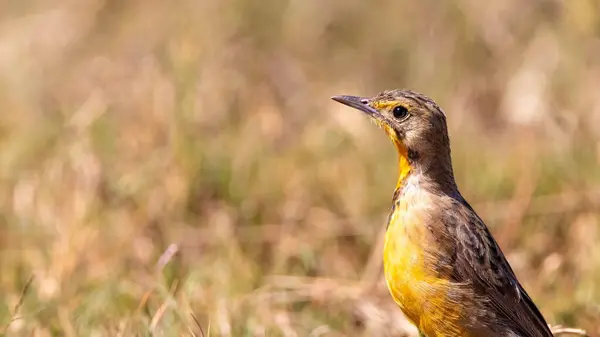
430	173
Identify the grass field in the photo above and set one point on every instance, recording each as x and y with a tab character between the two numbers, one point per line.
178	169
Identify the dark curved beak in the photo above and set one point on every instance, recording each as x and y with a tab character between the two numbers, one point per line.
359	103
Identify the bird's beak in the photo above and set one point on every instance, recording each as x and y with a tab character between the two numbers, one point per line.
359	103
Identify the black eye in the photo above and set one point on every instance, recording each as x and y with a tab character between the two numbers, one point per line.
400	112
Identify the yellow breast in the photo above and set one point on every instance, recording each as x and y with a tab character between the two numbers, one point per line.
409	261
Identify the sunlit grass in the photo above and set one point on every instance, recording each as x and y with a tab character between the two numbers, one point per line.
163	160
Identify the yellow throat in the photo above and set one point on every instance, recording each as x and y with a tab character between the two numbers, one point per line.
403	163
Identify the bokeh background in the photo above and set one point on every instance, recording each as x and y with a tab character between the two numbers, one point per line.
164	158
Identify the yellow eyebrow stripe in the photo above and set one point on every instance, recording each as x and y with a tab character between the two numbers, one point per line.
387	104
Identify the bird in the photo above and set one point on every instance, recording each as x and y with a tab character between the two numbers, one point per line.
442	266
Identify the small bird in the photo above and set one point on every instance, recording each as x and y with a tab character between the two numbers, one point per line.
442	265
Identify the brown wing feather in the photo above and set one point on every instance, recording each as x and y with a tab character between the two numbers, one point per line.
479	260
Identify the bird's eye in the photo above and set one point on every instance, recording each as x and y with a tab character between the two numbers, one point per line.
400	112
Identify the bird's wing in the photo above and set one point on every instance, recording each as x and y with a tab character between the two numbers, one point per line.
480	261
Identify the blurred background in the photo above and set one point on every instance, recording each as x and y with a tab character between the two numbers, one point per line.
159	159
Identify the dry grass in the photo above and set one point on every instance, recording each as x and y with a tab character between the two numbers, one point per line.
162	159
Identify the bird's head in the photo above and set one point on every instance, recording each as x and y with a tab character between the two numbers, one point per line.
415	124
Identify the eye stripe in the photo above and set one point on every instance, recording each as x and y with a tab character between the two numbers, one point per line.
380	105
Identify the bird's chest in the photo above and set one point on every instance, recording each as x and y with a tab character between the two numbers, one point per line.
413	260
410	258
406	261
